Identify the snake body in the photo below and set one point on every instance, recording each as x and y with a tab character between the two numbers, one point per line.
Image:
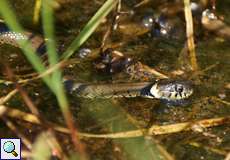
9	37
169	89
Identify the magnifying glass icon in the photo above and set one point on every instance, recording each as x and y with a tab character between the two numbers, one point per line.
9	147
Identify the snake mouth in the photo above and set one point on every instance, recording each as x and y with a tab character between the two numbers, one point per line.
172	89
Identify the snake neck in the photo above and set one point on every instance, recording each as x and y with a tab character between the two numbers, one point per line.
148	91
114	90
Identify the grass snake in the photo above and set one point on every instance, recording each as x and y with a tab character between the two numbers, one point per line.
169	89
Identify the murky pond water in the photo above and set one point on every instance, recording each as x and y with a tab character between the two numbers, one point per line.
150	46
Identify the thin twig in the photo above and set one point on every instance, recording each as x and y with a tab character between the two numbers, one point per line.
38	76
112	26
17	114
13	128
154	130
37	9
220	100
143	2
6	98
31	106
189	33
24	95
214	150
28	117
197	73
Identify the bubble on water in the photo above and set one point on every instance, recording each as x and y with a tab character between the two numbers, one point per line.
148	21
84	52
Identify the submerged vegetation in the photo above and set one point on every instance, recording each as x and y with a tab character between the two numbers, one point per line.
115	41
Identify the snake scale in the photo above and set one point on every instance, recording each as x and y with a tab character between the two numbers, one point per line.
169	89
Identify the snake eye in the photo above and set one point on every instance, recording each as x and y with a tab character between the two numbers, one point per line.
179	88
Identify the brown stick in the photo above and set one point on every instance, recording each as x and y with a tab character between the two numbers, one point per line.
13	128
189	33
154	130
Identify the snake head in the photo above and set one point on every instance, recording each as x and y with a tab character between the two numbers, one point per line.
172	90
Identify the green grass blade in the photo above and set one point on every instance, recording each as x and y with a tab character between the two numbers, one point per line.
48	26
90	27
